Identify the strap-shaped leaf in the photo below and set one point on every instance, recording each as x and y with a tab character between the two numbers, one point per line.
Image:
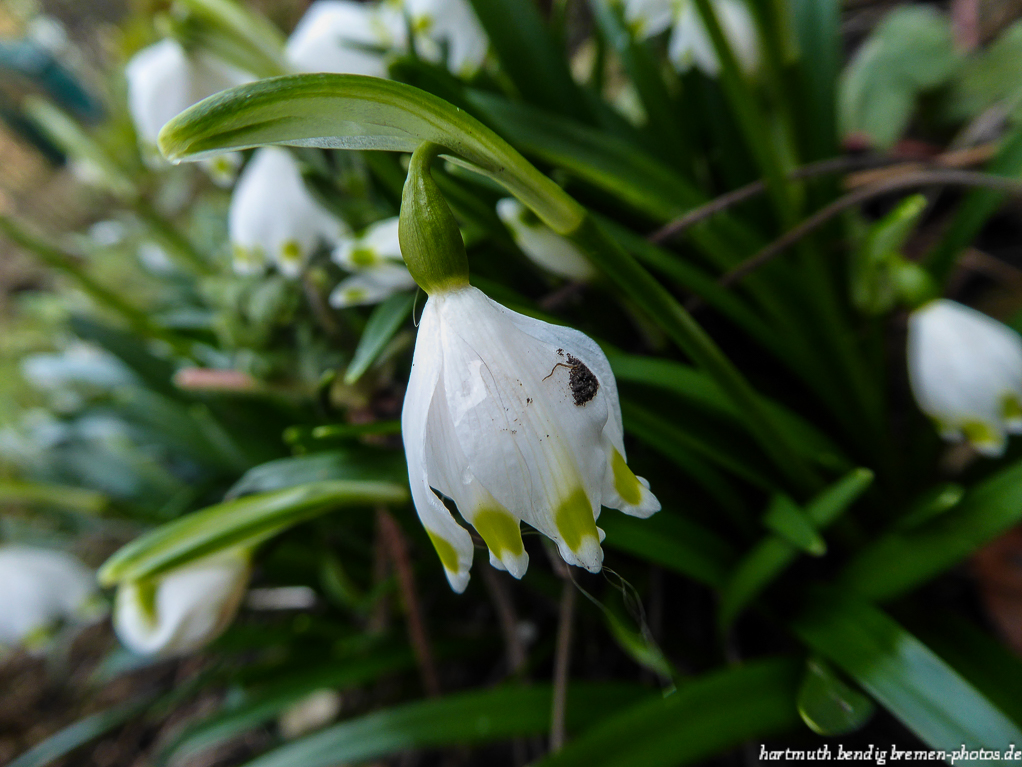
704	717
241	522
356	112
904	675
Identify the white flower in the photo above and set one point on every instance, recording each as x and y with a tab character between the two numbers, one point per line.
273	217
690	43
966	373
542	244
184	609
39	588
450	23
340	35
164	80
514	420
375	259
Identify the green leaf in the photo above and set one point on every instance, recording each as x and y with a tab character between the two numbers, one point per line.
990	77
903	675
785	518
902	560
827	705
529	55
77	499
356	112
911	51
383	324
818	30
462	718
876	262
930	505
78	734
673	542
774	555
240	522
364	462
704	717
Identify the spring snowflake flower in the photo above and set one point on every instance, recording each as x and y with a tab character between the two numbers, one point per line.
375	260
346	37
690	43
514	420
183	610
965	370
450	24
40	588
273	217
543	245
163	81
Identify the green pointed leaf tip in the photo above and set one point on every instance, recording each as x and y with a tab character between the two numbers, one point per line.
364	113
828	705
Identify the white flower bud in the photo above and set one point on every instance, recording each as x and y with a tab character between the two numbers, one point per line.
40	588
514	420
274	218
183	610
966	373
543	245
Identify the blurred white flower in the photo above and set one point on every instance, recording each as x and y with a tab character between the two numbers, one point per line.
374	257
39	589
164	80
342	36
274	218
450	24
183	610
78	364
542	244
966	373
514	420
690	43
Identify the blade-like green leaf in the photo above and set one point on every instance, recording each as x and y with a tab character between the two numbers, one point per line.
356	112
905	676
773	555
702	718
78	734
787	520
462	718
902	560
384	322
240	522
364	462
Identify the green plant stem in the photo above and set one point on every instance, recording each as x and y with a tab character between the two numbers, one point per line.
70	266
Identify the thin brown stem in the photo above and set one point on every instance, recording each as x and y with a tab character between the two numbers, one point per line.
397	548
562	663
906	181
507	618
881	166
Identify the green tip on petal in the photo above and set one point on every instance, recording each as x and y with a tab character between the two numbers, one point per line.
501	532
574	520
625	482
446	552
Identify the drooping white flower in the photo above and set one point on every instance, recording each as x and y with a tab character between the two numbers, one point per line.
374	257
164	80
690	43
514	420
274	218
965	369
342	36
450	24
183	610
40	588
542	244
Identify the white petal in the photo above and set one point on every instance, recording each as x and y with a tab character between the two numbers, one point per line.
544	246
452	541
454	23
191	606
965	370
337	35
371	286
39	588
272	212
164	80
377	244
647	18
516	419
